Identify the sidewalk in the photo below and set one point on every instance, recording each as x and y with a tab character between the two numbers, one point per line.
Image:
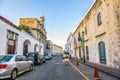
108	70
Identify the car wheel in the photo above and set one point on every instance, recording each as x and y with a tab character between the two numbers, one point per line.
31	67
14	74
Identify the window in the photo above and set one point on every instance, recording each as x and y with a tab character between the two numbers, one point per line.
12	42
99	20
18	58
5	58
102	54
47	46
85	30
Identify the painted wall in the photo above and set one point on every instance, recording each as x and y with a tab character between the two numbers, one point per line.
21	38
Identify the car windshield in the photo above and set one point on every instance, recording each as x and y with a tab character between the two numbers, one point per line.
5	58
31	54
46	54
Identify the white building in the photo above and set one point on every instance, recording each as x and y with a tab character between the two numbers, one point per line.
16	41
69	46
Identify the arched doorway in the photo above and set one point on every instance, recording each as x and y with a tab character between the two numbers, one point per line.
102	54
25	47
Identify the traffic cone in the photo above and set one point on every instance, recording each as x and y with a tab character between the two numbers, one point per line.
77	63
96	75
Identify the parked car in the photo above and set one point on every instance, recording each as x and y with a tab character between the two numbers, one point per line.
11	65
34	57
43	60
48	56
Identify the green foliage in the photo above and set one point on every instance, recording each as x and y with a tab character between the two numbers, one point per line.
25	28
76	48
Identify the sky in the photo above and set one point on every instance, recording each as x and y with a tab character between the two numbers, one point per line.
61	16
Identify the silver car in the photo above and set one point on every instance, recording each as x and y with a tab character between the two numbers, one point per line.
12	65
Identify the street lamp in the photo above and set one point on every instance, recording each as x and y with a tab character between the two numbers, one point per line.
83	47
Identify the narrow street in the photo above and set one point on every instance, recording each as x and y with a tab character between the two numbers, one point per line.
52	70
56	70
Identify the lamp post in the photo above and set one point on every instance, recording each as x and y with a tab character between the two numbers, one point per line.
83	47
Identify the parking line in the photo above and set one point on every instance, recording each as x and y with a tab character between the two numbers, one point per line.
86	78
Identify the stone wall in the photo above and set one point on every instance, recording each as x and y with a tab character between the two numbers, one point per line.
30	22
108	32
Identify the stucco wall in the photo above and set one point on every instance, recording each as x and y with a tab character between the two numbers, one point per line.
21	38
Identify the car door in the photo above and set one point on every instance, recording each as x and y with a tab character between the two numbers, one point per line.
19	63
26	63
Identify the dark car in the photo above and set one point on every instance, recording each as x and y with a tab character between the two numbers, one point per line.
35	57
43	60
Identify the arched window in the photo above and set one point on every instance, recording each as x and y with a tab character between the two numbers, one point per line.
99	19
102	54
35	47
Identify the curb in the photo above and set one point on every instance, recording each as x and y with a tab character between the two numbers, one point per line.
108	70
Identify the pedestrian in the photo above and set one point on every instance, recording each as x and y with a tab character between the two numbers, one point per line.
66	59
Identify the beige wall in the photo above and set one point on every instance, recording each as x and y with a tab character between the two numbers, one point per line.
108	31
30	22
57	49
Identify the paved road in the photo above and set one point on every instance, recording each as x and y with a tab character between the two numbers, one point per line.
55	69
52	70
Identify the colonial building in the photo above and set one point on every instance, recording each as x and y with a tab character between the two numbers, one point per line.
69	45
48	47
37	27
57	49
100	34
14	40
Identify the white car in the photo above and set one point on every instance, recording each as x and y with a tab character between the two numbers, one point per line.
48	56
12	65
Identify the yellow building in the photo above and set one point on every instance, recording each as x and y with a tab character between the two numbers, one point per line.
37	27
100	33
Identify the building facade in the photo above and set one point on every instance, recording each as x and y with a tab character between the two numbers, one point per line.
69	45
48	47
57	49
37	27
16	41
100	33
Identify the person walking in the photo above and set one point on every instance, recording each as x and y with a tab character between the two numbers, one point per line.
66	59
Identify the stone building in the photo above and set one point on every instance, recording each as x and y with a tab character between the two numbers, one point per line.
57	49
100	32
14	40
48	47
37	27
